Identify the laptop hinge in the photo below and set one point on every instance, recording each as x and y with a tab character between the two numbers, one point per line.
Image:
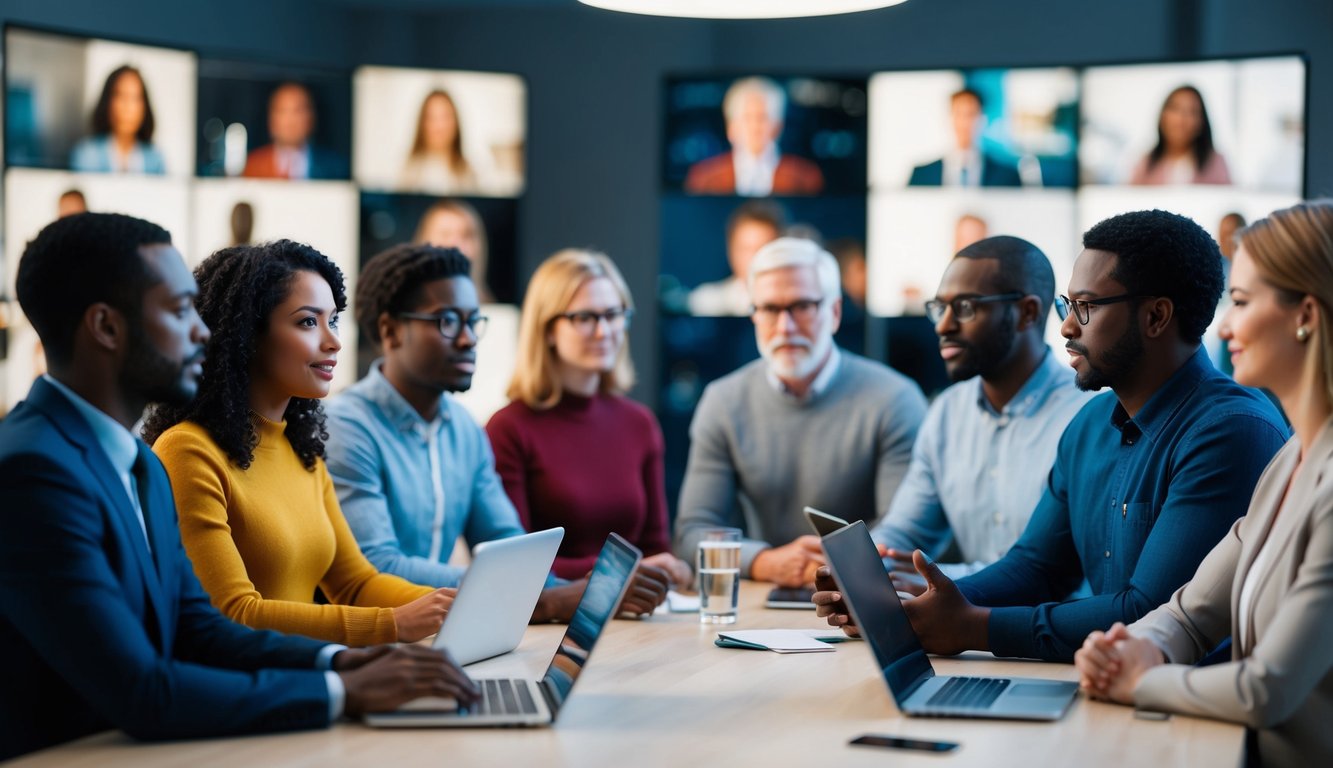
545	685
916	684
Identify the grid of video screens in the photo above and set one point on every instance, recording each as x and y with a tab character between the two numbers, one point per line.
897	171
226	152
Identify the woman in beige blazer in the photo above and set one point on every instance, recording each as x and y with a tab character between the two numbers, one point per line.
1269	583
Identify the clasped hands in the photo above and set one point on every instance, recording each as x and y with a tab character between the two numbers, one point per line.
1111	663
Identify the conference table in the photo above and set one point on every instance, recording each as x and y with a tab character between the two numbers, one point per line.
658	692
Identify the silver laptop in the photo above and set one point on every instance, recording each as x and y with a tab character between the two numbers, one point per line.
497	595
912	681
522	702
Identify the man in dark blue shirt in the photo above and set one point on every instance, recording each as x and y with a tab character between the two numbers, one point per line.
1147	477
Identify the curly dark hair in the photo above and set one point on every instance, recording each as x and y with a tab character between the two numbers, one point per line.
102	112
238	289
1165	254
391	281
78	261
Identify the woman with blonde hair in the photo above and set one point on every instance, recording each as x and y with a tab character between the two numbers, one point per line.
436	164
1268	585
571	449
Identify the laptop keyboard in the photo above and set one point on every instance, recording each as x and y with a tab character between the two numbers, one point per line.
503	697
968	693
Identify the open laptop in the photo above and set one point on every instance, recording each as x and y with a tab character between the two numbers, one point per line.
798	598
497	595
879	613
522	702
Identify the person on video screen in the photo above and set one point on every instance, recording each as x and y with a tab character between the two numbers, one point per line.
755	167
122	140
436	164
966	164
1184	153
291	155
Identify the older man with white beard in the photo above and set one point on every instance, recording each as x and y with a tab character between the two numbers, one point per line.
808	424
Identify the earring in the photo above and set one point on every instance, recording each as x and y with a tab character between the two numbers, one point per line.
1302	333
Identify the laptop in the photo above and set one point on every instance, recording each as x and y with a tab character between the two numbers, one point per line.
911	679
495	600
523	702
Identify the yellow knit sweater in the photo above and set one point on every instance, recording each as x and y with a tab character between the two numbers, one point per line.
262	539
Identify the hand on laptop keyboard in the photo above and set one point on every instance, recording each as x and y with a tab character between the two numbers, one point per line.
383	678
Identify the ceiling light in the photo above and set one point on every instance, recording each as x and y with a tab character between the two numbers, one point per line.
740	9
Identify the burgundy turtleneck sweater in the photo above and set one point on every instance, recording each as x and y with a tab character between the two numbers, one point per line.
593	465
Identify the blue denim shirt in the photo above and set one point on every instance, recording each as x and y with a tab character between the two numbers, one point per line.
410	488
1133	505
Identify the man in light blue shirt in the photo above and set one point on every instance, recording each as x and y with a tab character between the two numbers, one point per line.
412	469
987	443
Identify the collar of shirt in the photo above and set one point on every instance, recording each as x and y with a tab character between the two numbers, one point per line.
822	380
958	159
395	406
1031	395
117	441
1157	411
754	175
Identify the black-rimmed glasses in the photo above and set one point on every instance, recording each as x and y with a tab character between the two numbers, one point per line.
1082	308
965	307
585	321
803	311
451	322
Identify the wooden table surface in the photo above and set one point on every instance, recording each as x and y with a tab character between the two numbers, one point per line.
659	693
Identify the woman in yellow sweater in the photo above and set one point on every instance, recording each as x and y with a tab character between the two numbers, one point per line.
258	514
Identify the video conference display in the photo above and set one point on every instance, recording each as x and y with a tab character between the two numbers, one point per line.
227	152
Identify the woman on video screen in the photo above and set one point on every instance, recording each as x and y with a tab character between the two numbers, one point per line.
1184	153
122	140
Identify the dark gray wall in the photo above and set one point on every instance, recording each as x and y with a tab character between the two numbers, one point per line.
594	77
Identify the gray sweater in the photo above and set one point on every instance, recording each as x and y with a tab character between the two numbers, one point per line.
757	456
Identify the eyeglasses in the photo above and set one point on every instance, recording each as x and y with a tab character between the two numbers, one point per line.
965	307
1082	308
585	321
451	322
803	311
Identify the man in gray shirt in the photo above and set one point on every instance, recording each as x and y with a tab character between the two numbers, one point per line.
807	424
988	442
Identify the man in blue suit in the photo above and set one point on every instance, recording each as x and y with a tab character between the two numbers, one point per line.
102	622
966	164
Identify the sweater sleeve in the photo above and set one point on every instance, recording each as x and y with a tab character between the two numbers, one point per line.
198	472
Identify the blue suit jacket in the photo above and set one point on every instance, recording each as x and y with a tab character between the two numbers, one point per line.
94	632
994	173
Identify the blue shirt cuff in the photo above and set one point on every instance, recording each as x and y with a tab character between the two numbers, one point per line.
1010	632
325	658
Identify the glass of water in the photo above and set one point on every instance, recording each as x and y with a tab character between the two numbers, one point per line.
719	569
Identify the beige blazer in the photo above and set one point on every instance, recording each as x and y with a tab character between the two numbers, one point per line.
1281	681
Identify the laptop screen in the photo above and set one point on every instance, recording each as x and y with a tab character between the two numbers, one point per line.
875	606
610	576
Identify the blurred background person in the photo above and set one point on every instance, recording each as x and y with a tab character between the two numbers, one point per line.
242	223
851	256
750	227
71	202
754	109
456	224
969	228
1184	153
291	155
122	140
436	164
966	164
571	449
1266	584
1226	236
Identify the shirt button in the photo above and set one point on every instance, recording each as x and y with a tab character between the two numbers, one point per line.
999	518
1108	553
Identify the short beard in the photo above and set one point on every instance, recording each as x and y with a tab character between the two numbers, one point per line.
1123	356
985	358
153	377
817	352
